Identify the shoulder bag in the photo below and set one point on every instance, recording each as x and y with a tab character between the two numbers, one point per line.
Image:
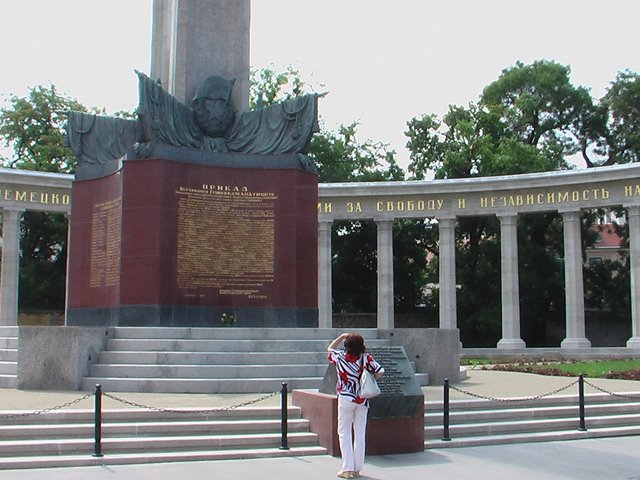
368	386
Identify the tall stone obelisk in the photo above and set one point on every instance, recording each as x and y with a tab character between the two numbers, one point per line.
193	39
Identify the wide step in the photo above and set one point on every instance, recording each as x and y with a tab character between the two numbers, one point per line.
198	385
486	422
215	360
136	435
155	457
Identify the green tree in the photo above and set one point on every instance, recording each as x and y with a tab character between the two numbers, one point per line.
537	105
268	86
33	129
613	130
529	120
340	157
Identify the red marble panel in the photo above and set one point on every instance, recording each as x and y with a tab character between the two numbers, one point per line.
149	237
87	196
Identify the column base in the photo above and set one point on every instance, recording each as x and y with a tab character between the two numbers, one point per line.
570	343
633	342
511	344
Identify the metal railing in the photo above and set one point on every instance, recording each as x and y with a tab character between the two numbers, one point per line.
580	381
98	395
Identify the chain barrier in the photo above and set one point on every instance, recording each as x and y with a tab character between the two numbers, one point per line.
195	412
98	394
46	410
581	401
513	400
621	395
137	405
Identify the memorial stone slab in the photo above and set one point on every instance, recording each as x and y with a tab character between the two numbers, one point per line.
401	395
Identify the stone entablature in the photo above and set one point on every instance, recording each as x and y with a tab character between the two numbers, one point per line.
501	195
26	190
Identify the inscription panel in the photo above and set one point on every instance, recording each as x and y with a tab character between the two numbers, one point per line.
106	222
226	240
395	363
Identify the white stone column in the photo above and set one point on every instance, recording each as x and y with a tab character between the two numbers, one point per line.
10	267
325	296
573	284
634	258
509	282
447	273
66	278
385	273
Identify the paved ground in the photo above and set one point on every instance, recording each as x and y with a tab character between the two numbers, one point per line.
601	459
598	459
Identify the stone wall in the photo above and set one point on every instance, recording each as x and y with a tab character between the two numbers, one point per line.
435	351
57	358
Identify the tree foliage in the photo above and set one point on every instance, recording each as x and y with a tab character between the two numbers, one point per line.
614	128
268	86
341	157
43	261
531	119
33	127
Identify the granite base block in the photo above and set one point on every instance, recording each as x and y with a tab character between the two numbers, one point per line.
435	351
57	358
188	316
384	435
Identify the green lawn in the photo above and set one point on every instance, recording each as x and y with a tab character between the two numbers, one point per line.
593	368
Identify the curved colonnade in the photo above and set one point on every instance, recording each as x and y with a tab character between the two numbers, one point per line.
567	192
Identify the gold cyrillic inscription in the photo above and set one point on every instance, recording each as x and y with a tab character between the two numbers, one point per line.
106	221
226	240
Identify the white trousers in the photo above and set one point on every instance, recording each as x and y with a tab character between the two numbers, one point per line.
352	415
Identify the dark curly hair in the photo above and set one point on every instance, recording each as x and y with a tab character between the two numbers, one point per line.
354	343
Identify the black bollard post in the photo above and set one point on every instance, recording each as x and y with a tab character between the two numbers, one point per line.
583	427
283	429
445	409
97	449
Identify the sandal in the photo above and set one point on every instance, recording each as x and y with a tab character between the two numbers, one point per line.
345	474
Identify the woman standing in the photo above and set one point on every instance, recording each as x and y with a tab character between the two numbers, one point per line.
352	409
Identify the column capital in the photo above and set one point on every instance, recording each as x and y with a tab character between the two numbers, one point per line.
446	221
384	224
324	225
12	212
507	218
570	214
633	210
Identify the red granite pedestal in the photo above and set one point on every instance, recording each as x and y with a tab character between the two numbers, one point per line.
163	242
384	435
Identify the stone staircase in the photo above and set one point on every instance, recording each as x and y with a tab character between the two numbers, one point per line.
134	436
215	360
486	422
8	357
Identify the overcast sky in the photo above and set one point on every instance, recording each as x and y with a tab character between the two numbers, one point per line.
382	61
